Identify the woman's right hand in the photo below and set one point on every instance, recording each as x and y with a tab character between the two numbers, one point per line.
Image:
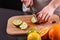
27	3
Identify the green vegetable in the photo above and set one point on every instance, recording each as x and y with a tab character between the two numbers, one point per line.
23	25
17	22
34	20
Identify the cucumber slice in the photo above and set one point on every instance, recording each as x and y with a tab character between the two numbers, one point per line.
34	20
23	25
17	22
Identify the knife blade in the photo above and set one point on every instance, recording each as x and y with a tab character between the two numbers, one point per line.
32	11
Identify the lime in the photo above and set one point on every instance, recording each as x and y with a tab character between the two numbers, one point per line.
17	22
34	20
24	25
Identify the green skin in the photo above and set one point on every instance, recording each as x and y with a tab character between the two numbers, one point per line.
23	25
20	24
17	22
34	20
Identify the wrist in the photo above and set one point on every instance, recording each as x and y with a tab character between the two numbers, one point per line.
52	8
54	3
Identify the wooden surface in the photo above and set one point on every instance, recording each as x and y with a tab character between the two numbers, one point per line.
13	30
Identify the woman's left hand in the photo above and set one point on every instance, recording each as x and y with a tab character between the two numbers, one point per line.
45	14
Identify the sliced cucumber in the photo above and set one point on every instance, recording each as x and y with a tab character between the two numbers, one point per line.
17	22
34	20
23	25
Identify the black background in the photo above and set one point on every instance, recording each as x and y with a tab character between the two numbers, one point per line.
5	14
11	4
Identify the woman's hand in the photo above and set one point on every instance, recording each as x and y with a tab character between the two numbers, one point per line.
27	3
45	14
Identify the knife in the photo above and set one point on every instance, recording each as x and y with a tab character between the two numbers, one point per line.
32	11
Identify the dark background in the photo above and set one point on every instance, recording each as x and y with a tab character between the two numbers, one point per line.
9	8
5	14
11	4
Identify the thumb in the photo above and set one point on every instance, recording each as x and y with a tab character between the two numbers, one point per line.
28	4
21	0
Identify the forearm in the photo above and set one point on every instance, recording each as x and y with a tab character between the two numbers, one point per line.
55	3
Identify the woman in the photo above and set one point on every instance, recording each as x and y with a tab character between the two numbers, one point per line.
48	8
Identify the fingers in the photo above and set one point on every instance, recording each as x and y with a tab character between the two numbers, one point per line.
31	2
23	0
39	16
47	17
27	3
43	17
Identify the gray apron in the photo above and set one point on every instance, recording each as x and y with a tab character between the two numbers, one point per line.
40	4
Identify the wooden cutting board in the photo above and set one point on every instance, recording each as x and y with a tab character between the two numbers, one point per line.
13	30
